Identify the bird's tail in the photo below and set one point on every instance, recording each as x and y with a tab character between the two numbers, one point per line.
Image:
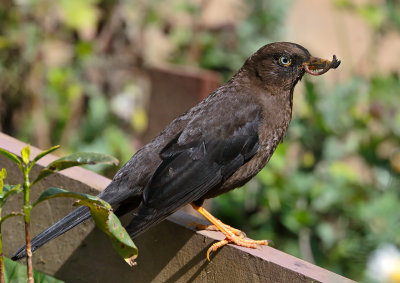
68	222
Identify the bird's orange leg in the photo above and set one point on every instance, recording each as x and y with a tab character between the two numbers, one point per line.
232	235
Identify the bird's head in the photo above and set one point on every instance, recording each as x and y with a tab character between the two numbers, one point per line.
283	64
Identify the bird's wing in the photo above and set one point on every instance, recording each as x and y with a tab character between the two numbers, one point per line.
189	170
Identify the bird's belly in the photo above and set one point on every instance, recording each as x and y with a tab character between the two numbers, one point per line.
247	171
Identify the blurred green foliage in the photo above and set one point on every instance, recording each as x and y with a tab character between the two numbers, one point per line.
332	187
330	191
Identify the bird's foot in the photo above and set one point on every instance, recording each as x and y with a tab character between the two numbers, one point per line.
237	240
235	231
232	235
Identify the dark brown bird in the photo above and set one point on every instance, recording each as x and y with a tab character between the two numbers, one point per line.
216	146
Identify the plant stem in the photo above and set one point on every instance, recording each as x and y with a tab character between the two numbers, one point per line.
28	252
27	219
3	175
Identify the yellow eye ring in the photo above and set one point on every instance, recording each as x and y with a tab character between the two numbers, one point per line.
285	61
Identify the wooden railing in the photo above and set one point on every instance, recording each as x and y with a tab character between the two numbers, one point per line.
169	252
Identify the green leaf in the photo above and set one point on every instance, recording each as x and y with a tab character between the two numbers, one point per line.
25	153
76	159
57	192
109	223
8	190
16	272
10	155
3	174
44	153
104	218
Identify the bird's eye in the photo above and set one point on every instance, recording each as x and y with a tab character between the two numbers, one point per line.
285	61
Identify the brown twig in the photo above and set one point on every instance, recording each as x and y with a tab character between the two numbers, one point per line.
28	252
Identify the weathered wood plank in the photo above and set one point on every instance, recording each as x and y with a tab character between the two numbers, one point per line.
170	252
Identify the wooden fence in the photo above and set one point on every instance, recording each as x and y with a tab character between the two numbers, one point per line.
169	252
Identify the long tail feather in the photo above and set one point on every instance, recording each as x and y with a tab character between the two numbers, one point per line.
68	222
114	196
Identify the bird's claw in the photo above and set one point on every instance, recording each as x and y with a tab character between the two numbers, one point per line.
215	247
239	241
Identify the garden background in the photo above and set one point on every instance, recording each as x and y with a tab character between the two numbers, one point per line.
76	73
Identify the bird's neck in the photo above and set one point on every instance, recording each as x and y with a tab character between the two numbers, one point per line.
266	93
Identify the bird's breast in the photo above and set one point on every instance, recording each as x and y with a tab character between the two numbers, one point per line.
268	143
271	131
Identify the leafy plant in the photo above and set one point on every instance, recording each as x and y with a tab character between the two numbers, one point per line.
100	210
16	272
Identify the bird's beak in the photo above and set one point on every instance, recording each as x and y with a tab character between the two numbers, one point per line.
317	66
